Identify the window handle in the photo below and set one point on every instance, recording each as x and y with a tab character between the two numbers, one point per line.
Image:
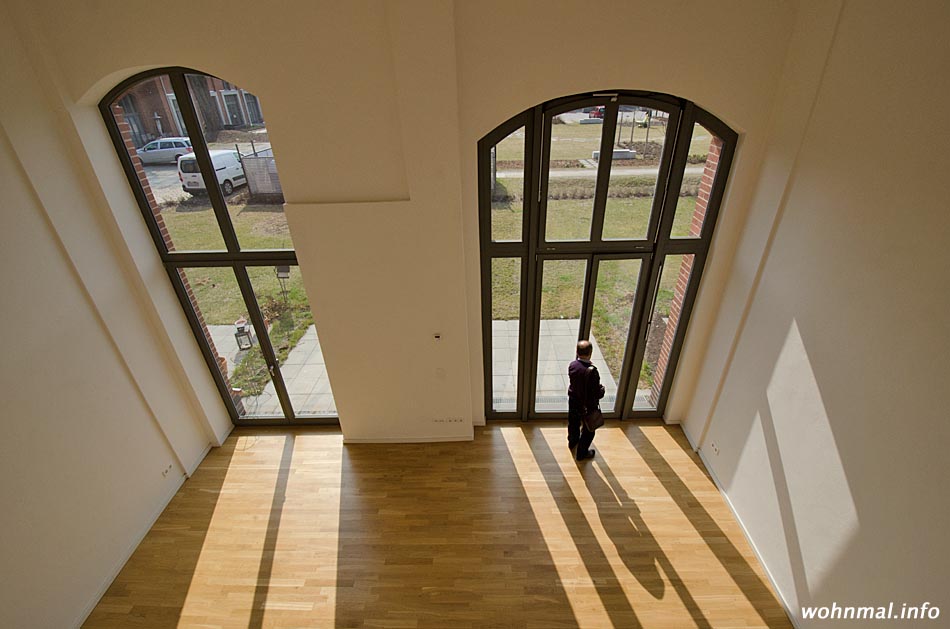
656	293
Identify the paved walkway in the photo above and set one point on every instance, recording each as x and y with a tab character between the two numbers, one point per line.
304	373
556	349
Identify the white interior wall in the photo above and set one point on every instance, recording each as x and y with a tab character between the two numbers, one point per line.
829	427
38	129
387	277
100	430
82	455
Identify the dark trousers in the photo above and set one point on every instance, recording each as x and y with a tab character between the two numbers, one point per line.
576	432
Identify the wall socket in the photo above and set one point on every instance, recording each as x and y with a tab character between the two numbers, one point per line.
714	448
167	470
448	420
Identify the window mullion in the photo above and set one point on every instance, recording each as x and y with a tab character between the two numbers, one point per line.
202	155
603	171
537	164
263	338
675	180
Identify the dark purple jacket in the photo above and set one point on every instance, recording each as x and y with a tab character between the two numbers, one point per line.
577	372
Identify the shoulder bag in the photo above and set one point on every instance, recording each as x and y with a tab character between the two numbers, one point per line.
593	418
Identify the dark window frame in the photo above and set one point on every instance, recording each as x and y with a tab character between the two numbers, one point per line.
533	248
233	257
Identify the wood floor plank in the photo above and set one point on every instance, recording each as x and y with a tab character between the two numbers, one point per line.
291	528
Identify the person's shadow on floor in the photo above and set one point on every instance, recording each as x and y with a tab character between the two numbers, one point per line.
639	550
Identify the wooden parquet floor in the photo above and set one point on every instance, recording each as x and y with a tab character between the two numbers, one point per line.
290	528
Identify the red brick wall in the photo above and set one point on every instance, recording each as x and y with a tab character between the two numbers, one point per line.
676	309
150	96
126	134
682	281
705	187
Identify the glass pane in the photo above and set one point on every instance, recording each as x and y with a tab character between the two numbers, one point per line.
562	295
701	165
216	299
638	148
614	295
144	113
507	188
674	281
505	328
572	173
235	131
283	302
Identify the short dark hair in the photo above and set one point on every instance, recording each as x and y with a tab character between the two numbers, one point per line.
584	348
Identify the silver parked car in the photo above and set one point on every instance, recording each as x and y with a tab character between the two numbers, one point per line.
164	150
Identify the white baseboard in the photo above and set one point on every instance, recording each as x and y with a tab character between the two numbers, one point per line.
226	433
410	439
768	573
201	457
117	568
692	444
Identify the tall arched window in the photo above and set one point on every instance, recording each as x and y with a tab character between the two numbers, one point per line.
596	213
197	155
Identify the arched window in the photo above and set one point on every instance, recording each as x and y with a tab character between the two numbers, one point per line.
196	153
596	214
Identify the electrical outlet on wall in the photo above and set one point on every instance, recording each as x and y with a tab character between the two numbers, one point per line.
167	470
714	448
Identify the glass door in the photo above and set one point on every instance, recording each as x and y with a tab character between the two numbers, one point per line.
594	297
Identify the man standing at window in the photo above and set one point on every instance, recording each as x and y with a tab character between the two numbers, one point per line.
583	396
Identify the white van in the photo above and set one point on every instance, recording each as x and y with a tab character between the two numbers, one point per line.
227	166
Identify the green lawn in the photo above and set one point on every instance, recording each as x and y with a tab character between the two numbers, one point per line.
613	307
193	227
700	140
570	205
575	141
512	147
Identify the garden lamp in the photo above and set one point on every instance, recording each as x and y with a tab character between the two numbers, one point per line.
242	334
283	274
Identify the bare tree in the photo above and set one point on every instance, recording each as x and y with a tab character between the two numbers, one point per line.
208	112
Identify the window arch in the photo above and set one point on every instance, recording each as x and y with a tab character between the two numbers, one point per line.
596	212
197	156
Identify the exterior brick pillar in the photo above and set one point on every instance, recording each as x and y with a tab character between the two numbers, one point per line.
221	360
705	188
126	132
676	309
682	281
